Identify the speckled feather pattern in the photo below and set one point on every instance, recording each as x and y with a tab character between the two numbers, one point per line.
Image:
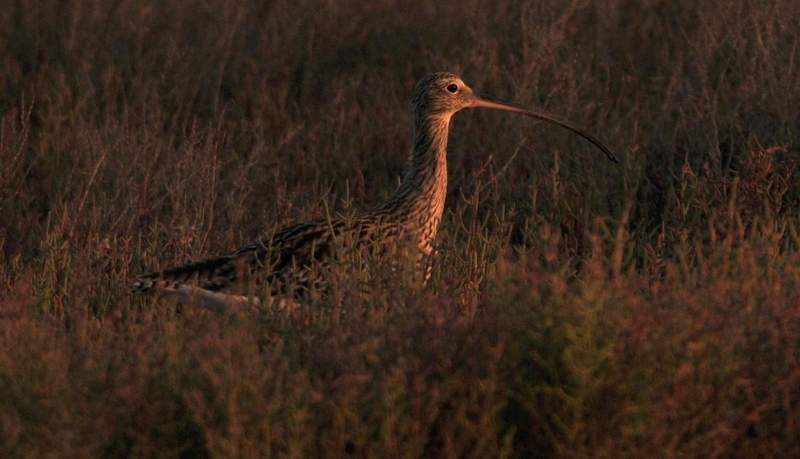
409	219
411	215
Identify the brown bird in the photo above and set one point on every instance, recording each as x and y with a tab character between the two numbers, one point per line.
410	217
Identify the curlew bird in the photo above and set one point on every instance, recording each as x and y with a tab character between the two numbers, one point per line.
410	216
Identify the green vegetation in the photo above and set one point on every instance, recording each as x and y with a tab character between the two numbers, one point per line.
577	308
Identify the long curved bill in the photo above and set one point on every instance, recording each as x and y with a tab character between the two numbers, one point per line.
544	116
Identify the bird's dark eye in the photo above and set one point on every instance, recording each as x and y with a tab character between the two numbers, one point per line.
452	87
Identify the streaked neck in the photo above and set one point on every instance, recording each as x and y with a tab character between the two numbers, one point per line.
425	181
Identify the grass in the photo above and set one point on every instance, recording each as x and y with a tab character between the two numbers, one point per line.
576	308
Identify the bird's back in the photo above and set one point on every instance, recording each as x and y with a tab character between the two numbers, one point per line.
284	261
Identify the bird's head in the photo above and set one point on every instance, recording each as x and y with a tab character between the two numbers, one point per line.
442	94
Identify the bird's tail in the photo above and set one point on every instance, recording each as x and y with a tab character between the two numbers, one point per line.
212	274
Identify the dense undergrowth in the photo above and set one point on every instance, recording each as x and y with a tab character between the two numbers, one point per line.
577	308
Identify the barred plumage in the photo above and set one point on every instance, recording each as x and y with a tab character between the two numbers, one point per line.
411	215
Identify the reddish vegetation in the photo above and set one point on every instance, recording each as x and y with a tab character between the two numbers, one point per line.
577	308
